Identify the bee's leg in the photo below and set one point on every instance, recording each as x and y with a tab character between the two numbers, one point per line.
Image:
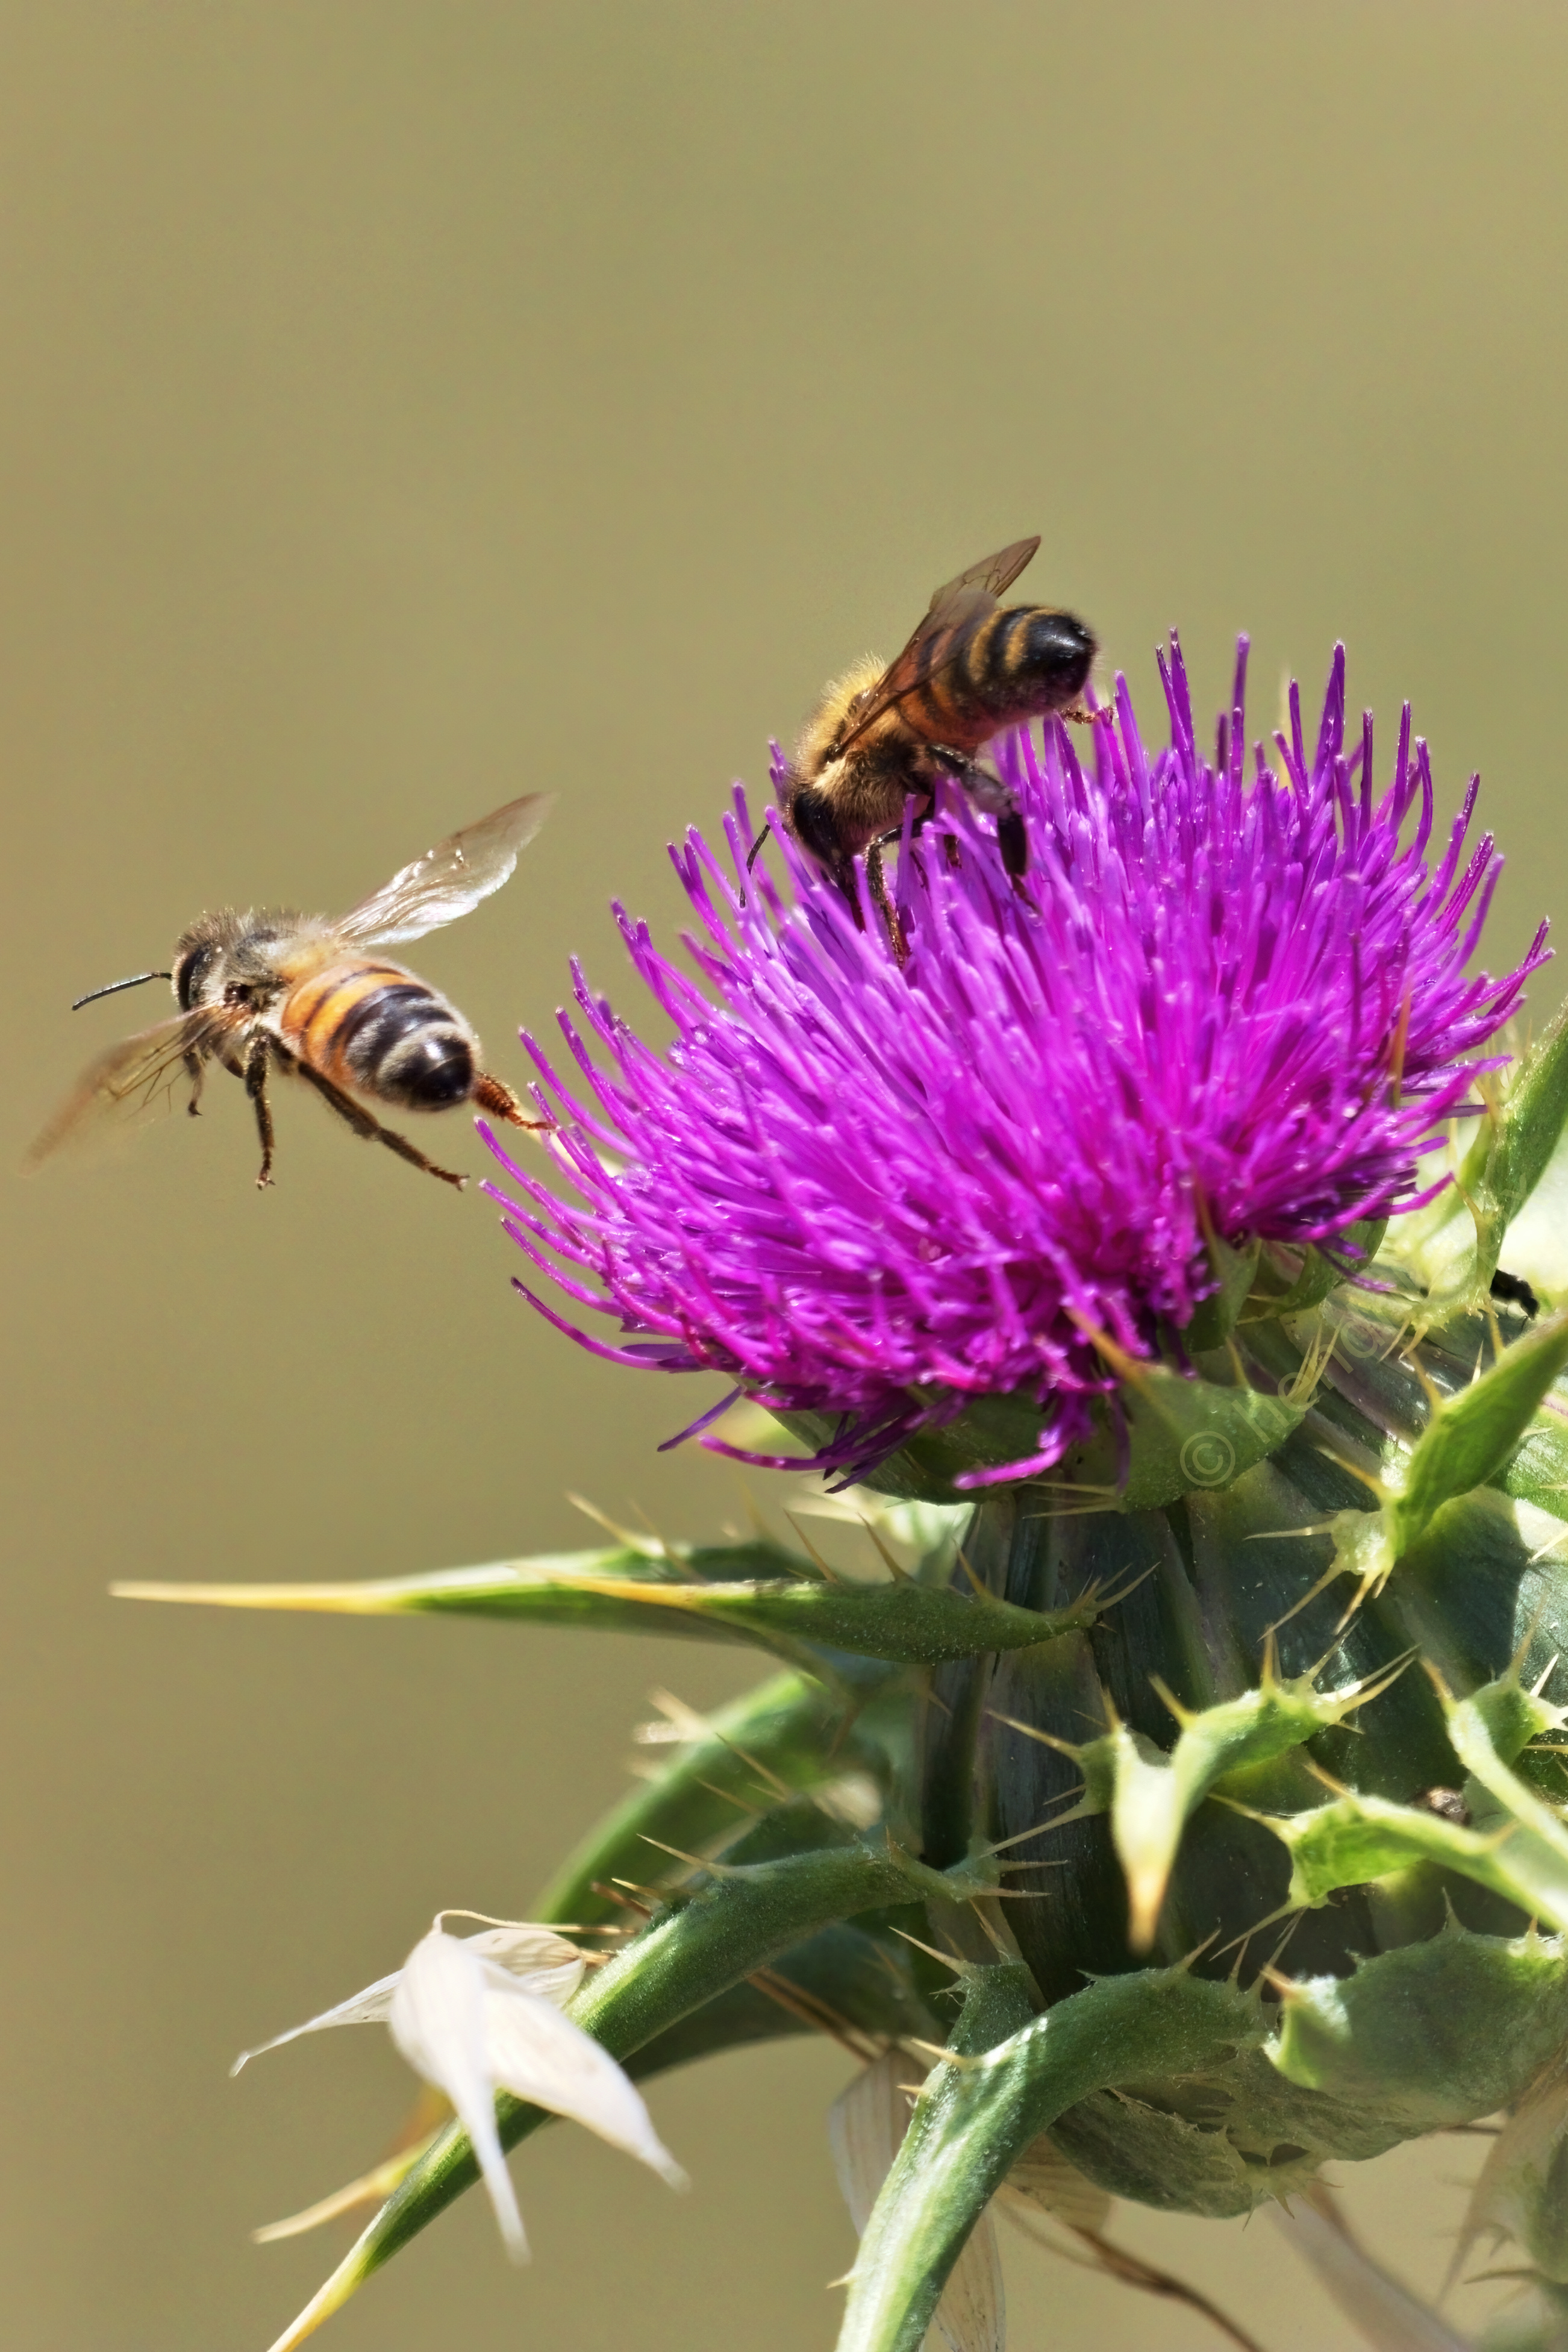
1012	840
840	873
196	1071
371	1130
255	1088
491	1095
876	884
917	825
989	792
844	876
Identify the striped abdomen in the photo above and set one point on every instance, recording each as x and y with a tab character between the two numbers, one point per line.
1017	664
374	1027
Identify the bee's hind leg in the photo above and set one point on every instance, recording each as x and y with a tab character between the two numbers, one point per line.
1012	840
371	1130
498	1098
990	793
876	884
255	1061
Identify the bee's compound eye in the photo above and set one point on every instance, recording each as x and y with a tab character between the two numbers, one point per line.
811	822
190	972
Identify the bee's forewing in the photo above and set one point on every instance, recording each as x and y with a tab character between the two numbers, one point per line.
969	596
450	879
133	1082
992	577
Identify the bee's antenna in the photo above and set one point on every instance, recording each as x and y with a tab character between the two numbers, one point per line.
116	985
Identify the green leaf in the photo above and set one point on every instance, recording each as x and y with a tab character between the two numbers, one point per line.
1186	1435
991	1431
1433	2034
1470	1438
790	1732
1178	1434
1486	1732
1515	1845
1233	1271
1181	1435
1151	2153
1472	1435
677	1589
1490	1730
1359	2064
978	2114
1152	1796
844	1974
1487	1580
1274	1293
1360	1838
1537	1472
926	2207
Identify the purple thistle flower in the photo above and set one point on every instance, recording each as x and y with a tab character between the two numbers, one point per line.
1227	1006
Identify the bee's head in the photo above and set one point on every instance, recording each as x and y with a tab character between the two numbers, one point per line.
199	958
812	820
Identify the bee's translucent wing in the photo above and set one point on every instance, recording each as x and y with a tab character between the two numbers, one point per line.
450	879
992	577
967	598
135	1080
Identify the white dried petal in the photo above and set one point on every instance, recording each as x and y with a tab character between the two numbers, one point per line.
536	2054
866	2122
1519	2178
475	2015
372	2007
548	1963
866	2125
545	1961
438	2021
1386	2314
853	1798
1046	2179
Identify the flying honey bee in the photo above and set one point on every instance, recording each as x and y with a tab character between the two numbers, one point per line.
880	737
271	990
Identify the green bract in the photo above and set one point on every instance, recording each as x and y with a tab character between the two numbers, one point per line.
1222	1764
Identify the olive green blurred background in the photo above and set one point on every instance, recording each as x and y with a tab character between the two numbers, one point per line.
404	406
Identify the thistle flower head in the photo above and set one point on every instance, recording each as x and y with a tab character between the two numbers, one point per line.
1234	1002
